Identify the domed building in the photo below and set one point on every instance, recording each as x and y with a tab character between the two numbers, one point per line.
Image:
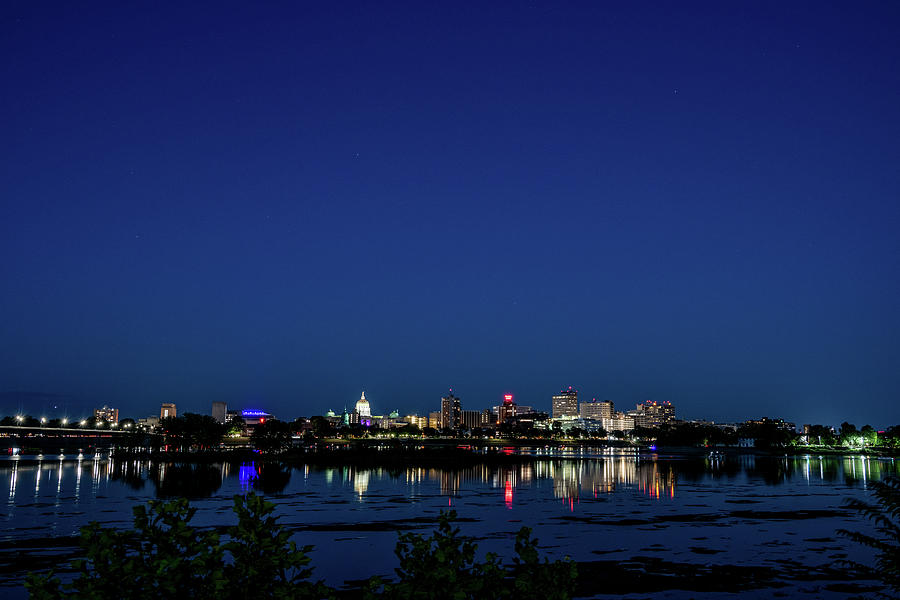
362	407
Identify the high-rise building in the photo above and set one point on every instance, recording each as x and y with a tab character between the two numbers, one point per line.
565	403
434	419
219	410
655	413
451	411
596	410
167	410
471	419
107	414
507	410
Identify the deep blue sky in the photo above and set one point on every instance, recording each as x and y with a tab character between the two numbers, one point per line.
278	205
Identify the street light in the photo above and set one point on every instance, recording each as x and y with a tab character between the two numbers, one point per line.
83	422
64	421
43	420
19	419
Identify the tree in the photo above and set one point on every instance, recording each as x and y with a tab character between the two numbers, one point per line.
272	436
235	427
443	567
869	435
321	426
166	557
885	513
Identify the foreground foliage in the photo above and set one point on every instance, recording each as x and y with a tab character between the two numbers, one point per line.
885	513
165	557
444	566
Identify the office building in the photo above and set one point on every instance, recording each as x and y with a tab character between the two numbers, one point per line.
565	403
654	414
507	410
167	410
219	410
110	415
451	412
596	409
471	419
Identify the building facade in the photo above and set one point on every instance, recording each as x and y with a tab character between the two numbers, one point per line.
167	410
106	413
219	410
451	412
565	404
362	407
596	410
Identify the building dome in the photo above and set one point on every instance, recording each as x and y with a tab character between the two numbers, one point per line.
362	407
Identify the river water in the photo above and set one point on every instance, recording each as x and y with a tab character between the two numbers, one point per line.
615	507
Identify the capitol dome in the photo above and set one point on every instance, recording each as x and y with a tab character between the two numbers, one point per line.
362	407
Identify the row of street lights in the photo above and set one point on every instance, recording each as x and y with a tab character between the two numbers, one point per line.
65	421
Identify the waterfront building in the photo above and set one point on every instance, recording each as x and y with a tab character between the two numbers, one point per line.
779	423
219	410
619	422
420	422
434	419
254	417
507	410
167	410
107	414
596	410
656	414
451	411
148	424
565	403
471	419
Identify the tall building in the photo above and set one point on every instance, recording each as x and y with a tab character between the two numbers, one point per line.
507	410
596	410
565	403
167	410
219	410
471	419
451	411
107	414
363	409
434	419
656	413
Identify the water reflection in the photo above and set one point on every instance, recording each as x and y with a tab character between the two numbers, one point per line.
595	475
575	475
187	480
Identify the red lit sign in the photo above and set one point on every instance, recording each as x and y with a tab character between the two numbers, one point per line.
507	398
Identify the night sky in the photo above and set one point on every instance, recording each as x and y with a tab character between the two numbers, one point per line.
278	205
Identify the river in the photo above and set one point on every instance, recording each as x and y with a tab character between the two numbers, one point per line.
609	507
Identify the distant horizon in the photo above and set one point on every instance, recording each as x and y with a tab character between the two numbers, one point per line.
193	407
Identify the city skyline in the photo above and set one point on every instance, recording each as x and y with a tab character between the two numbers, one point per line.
261	207
598	409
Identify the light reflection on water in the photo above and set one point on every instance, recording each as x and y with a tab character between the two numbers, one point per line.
568	497
574	475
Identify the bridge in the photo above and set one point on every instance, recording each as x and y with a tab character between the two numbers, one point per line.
73	438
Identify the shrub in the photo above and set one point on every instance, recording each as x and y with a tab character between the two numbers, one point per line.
885	513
